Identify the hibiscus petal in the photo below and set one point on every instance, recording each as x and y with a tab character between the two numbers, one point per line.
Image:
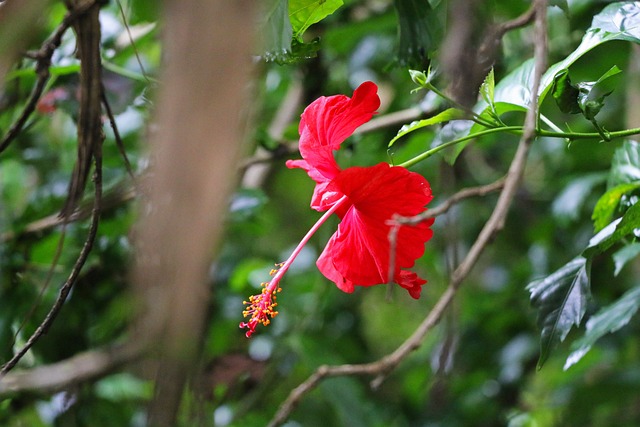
411	282
358	253
325	124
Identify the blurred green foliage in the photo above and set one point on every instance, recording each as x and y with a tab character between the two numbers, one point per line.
479	367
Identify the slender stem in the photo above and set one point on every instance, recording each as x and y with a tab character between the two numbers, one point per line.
273	284
518	130
434	150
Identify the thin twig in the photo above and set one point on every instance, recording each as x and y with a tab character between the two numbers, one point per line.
398	221
444	207
116	134
75	271
495	223
133	43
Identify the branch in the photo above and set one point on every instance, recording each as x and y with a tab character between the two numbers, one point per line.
495	223
90	135
444	207
75	271
58	376
110	200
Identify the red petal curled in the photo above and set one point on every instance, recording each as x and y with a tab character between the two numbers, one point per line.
358	253
325	124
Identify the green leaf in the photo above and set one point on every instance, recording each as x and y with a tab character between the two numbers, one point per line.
570	201
561	300
591	95
304	13
488	87
624	255
278	32
607	204
625	165
610	236
609	319
420	28
445	116
565	94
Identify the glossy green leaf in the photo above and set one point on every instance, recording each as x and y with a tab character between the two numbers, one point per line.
607	204
591	95
624	255
445	116
609	319
561	299
565	94
625	165
304	13
609	236
420	28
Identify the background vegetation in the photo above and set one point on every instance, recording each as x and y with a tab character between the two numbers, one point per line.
524	341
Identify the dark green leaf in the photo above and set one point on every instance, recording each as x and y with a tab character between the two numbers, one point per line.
561	300
609	319
607	204
608	236
301	50
445	116
420	28
565	94
624	255
304	13
591	95
625	165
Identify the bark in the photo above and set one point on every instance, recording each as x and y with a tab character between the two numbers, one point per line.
194	152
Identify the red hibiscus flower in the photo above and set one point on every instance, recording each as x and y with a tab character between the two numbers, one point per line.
358	253
364	198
